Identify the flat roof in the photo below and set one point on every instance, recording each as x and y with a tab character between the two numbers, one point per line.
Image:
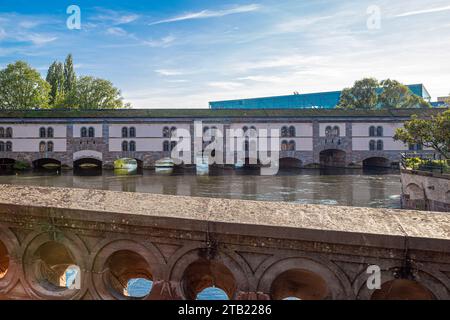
213	113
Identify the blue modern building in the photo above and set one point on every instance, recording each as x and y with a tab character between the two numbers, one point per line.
320	100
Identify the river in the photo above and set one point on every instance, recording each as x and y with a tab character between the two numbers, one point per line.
348	187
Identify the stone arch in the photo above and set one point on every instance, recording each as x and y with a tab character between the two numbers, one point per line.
91	154
9	245
42	162
118	261
333	158
429	280
414	191
7	163
46	257
401	289
378	161
194	271
307	278
290	162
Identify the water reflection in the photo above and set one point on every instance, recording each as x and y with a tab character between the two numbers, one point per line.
373	188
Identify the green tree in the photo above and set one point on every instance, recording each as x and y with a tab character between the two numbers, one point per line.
431	133
70	77
22	87
95	93
395	95
363	95
55	77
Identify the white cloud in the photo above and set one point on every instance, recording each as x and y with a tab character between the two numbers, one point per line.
259	78
225	85
116	31
115	17
169	73
37	39
425	11
163	42
204	14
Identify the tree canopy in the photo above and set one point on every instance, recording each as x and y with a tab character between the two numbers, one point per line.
22	87
369	93
431	133
95	93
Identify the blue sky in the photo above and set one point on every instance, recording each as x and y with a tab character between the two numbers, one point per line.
173	54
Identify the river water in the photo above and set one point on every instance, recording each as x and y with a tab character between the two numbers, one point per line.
351	187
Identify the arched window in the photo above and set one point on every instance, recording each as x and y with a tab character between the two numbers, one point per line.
284	131
372	131
379	131
124	145
380	145
124	132
166	146
91	133
291	131
132	132
245	129
132	146
2	146
292	145
42	146
83	132
372	145
49	132
165	132
2	132
173	132
9	132
172	145
8	146
42	132
328	131
284	145
50	146
336	131
253	132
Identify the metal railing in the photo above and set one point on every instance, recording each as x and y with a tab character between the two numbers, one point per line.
429	162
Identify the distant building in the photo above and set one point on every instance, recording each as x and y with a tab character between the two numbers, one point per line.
320	100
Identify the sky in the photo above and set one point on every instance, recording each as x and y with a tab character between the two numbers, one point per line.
185	53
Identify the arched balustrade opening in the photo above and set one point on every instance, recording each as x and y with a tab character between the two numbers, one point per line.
128	275
205	274
299	284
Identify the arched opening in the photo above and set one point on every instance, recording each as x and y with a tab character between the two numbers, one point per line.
46	163
300	284
376	162
87	163
289	163
401	289
333	158
415	192
128	275
6	163
55	267
203	274
4	260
